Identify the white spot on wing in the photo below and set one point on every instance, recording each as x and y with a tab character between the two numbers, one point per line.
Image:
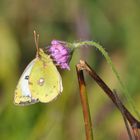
41	81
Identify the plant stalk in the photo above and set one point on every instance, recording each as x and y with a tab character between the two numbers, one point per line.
85	105
131	119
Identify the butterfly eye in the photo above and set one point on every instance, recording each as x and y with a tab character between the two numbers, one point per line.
26	77
41	81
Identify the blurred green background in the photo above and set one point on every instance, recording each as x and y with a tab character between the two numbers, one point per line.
113	23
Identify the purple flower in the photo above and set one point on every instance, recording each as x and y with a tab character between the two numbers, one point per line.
61	53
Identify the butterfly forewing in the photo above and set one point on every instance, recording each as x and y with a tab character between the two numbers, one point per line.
22	93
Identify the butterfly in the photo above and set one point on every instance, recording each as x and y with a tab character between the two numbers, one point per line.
40	81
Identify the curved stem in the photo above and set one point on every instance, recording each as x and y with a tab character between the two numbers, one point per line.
105	54
131	119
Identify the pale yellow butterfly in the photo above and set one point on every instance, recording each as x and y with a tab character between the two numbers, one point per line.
40	81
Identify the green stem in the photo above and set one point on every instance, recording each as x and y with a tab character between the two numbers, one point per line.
105	54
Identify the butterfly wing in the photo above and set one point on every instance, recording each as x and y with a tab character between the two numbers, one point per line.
22	92
45	81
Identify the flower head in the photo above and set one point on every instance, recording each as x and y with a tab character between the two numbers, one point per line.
61	53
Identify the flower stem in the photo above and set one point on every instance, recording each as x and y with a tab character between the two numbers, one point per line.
131	119
105	54
85	105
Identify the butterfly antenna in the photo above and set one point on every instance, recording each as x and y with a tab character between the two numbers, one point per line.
36	38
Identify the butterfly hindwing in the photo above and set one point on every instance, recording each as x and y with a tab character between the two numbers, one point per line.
45	81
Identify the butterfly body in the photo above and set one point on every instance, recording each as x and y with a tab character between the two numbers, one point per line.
40	82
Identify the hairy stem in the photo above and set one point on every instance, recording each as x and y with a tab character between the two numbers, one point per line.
105	54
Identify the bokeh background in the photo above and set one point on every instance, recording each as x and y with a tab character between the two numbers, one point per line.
113	23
